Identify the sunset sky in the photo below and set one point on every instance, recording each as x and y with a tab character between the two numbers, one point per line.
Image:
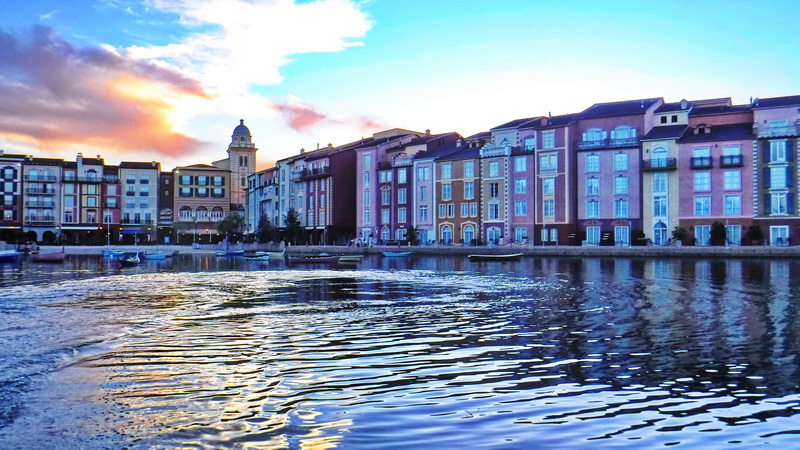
168	80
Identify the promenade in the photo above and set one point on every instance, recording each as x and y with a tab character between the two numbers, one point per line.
460	250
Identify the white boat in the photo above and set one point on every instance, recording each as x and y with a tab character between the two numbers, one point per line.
109	253
155	256
396	254
279	254
257	257
127	261
8	255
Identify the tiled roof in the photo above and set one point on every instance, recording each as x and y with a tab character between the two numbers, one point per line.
513	123
668	132
624	108
559	121
462	153
672	107
713	110
774	102
139	165
720	132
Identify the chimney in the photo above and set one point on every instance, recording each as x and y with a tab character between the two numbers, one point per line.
98	157
684	104
330	145
302	150
317	145
459	142
427	132
549	114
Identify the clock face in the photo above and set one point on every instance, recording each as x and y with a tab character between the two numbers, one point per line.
241	138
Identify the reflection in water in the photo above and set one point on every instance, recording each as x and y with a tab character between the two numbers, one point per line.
399	352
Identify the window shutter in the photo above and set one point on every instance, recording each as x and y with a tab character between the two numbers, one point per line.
765	177
790	203
790	149
767	205
765	151
789	176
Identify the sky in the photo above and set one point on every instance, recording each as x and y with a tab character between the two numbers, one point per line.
168	80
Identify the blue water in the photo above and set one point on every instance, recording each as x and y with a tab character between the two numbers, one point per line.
208	352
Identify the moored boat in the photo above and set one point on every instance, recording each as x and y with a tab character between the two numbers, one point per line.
257	256
155	256
54	257
396	254
230	253
496	257
8	255
129	260
109	253
350	258
279	254
313	259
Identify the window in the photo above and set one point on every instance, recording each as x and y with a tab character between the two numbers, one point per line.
130	178
367	160
185	192
623	132
663	119
423	173
473	209
779	203
521	208
218	192
779	235
549	140
674	119
423	193
660	206
90	189
366	198
620	162
401	196
733	205
520	164
218	181
182	180
91	202
530	143
621	207
594	135
702	205
702	181
447	191
469	169
494	168
366	179
442	210
548	163
549	208
777	177
144	204
593	186
384	216
469	189
554	234
464	210
202	180
423	213
593	235
447	234
592	163
622	236
660	233
592	209
777	151
702	233
733	180
494	190
112	189
447	171
385	197
469	234
494	211
733	234
521	234
367	217
401	176
660	183
521	186
385	176
451	210
144	191
621	185
548	186
731	150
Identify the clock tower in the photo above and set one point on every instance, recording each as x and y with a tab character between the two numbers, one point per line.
242	163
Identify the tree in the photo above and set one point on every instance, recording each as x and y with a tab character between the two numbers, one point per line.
718	234
679	234
754	235
293	228
180	229
230	226
266	230
413	236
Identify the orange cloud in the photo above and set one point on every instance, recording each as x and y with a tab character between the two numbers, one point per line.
55	95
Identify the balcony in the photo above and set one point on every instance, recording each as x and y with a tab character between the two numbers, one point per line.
30	204
650	165
135	222
319	172
40	191
700	162
402	162
773	132
41	178
731	161
384	165
39	220
608	143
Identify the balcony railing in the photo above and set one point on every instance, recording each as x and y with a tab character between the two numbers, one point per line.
40	220
40	191
40	204
700	162
41	178
731	161
608	143
135	222
402	162
318	172
659	164
787	131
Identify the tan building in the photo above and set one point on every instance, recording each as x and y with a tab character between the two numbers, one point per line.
202	199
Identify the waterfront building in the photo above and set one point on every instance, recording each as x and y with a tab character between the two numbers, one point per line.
12	195
81	196
288	190
776	126
241	163
460	169
41	187
166	208
139	180
609	200
201	200
262	198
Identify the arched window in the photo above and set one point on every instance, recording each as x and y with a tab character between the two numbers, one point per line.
594	135
493	235
447	235
202	214
469	234
385	234
623	132
217	213
91	175
660	233
185	214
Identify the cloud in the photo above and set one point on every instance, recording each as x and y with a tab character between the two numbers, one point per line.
302	116
48	15
55	94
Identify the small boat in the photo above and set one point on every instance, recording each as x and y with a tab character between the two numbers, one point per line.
350	258
156	256
108	253
8	255
230	253
257	257
329	259
279	254
129	260
396	254
55	257
498	257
